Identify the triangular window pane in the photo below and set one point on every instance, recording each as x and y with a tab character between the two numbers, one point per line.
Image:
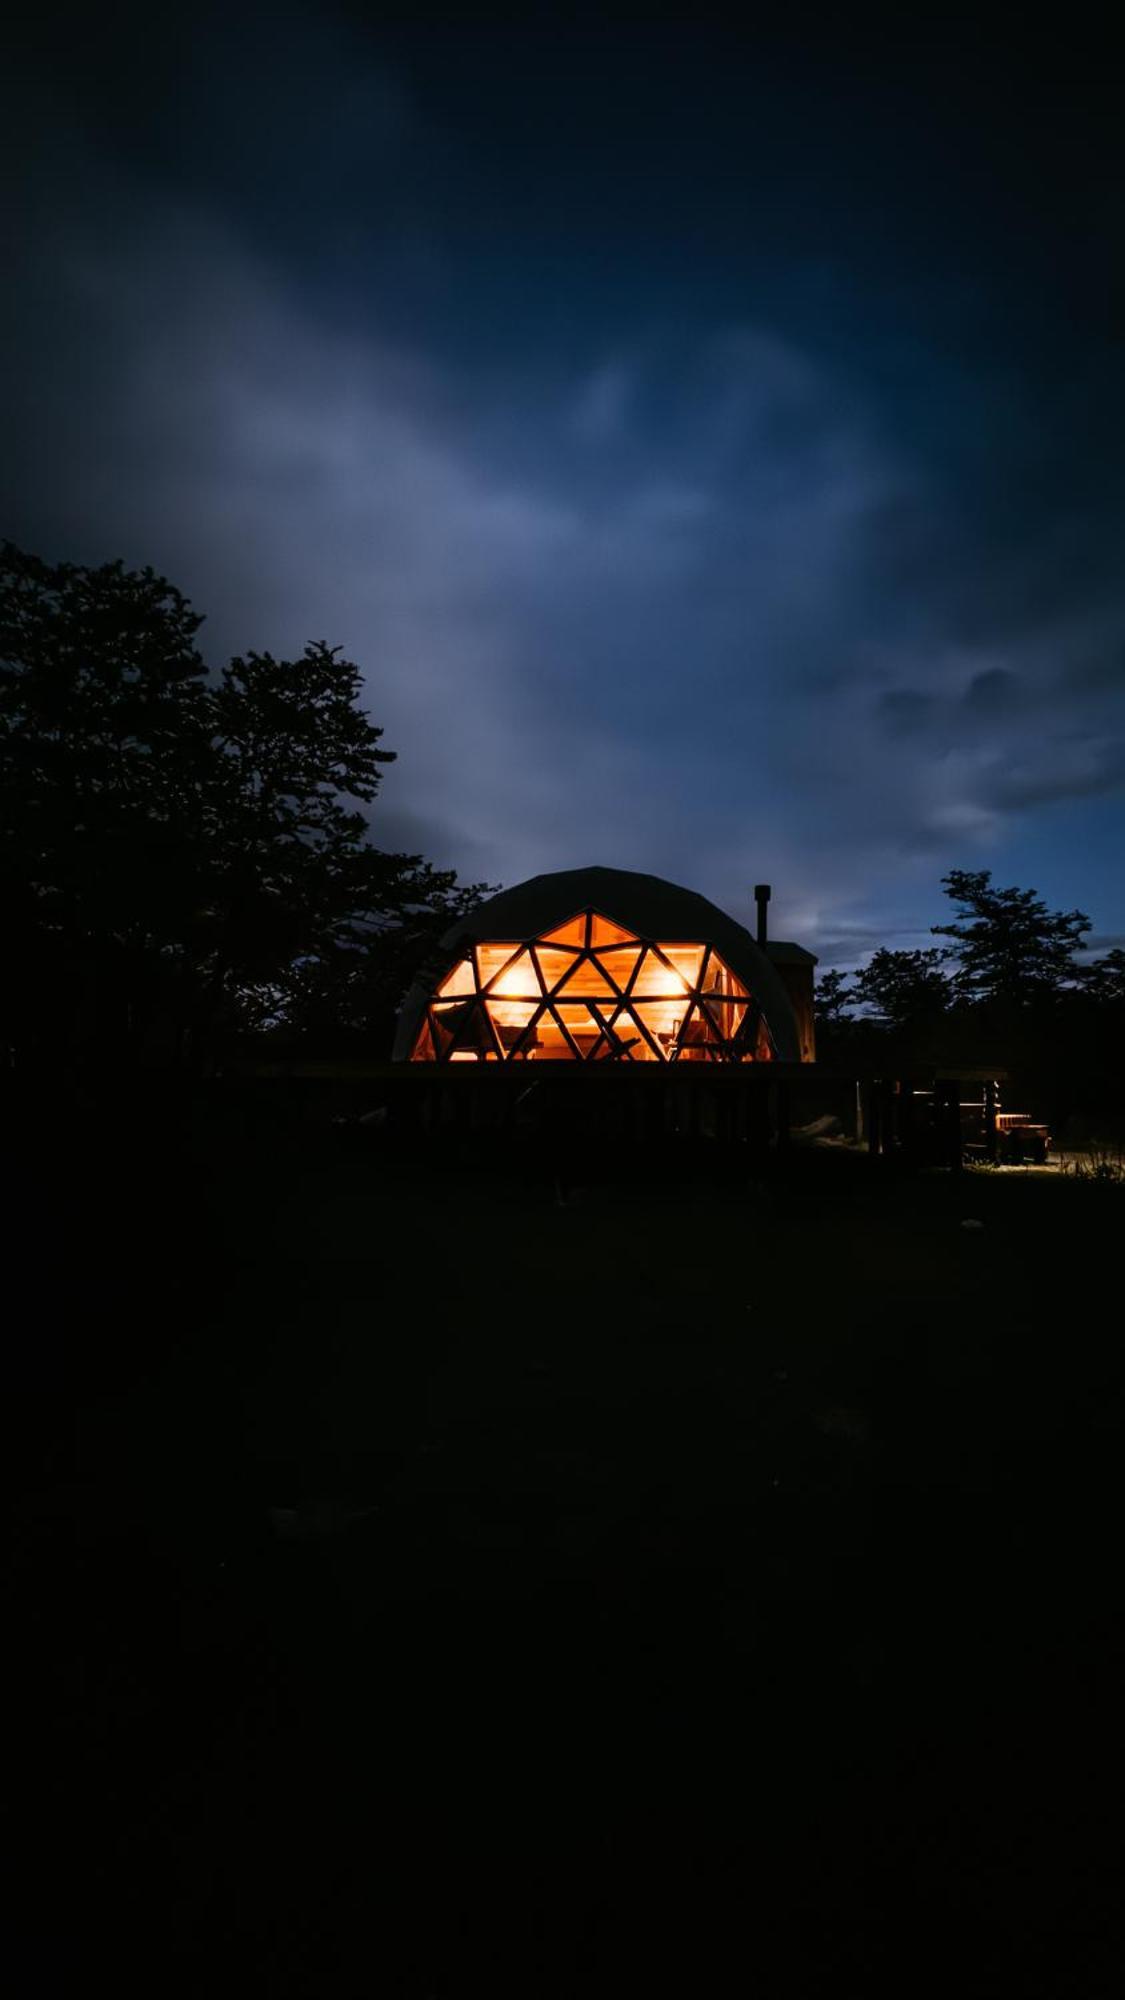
752	1041
587	979
686	960
728	1015
618	961
444	1023
551	1045
509	1020
622	1040
719	979
662	1020
554	965
511	1013
603	932
492	958
583	1027
577	1019
463	1021
459	981
655	978
642	1046
697	1035
573	932
423	1050
516	980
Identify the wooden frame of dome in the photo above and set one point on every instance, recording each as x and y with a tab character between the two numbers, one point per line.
589	990
599	966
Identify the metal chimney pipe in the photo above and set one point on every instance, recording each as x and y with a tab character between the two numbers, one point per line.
761	897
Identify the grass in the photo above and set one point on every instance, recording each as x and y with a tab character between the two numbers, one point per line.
434	1587
1100	1164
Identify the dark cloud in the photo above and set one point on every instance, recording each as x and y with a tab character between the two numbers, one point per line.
1082	768
905	712
695	492
991	693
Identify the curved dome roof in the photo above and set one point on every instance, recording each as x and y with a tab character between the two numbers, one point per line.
644	904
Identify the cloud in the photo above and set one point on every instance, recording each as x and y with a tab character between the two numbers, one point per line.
991	693
565	672
693	594
1083	768
906	711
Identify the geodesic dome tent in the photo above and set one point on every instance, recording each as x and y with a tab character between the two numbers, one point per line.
599	965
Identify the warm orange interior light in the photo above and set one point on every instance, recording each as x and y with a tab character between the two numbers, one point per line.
459	981
517	980
573	932
591	991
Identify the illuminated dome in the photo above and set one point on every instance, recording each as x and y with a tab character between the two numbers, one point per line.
597	965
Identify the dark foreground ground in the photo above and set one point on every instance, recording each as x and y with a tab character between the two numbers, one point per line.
429	1589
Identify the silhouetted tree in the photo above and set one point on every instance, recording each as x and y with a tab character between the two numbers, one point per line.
181	856
1009	992
832	1000
310	925
903	988
1008	947
103	730
1103	981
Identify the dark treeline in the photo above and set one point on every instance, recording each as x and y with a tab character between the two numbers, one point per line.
187	857
1008	988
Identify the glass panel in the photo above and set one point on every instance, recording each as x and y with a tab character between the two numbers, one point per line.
728	1015
573	932
662	1019
510	1018
460	980
618	961
552	1044
587	977
687	959
423	1050
753	1044
464	1019
654	977
698	1037
511	1013
517	981
442	1026
492	958
719	978
583	1027
554	965
623	1040
603	932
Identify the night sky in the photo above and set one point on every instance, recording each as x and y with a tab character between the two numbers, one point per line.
709	442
